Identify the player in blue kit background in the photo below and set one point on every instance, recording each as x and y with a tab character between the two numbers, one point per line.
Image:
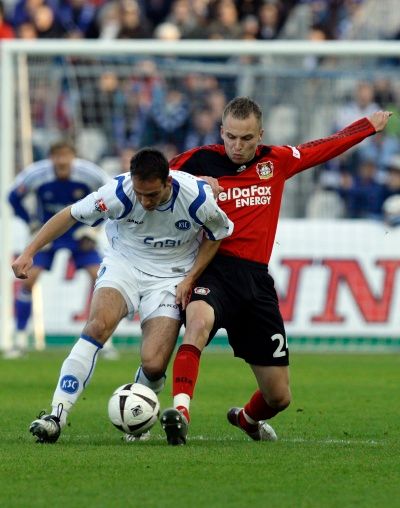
163	229
53	183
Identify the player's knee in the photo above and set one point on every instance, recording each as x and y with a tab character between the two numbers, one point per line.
98	329
197	330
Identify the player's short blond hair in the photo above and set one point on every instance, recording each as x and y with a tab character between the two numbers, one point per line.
242	108
61	144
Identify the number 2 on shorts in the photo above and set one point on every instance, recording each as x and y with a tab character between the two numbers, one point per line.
279	351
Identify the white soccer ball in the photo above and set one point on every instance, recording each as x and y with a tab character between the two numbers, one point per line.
133	408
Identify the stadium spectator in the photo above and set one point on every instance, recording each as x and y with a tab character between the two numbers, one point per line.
105	108
168	117
156	10
269	16
54	183
24	11
386	97
183	17
27	30
202	129
325	203
6	30
360	104
235	291
224	22
380	149
248	7
362	193
132	22
46	24
149	267
393	177
391	210
76	17
167	31
250	28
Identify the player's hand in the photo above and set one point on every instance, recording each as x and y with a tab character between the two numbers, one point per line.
214	184
183	291
379	119
22	265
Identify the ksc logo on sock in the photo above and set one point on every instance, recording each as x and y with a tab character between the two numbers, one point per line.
69	384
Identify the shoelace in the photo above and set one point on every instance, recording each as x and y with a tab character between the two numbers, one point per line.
60	409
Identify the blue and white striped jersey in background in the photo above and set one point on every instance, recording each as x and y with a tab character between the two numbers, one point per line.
160	242
52	194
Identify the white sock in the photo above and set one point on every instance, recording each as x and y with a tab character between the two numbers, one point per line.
156	386
21	339
182	399
75	375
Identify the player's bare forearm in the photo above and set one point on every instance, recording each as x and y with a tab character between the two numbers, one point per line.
207	251
53	228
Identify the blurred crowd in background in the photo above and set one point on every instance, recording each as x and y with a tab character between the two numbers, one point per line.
119	114
200	19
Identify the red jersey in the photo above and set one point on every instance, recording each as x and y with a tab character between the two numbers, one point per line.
253	191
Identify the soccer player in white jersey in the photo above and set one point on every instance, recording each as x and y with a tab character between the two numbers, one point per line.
163	229
55	182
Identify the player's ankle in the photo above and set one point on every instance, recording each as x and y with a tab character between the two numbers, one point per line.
185	411
245	424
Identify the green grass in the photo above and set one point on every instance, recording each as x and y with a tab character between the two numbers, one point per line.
338	446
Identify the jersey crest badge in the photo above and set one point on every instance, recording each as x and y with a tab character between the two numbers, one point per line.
265	170
201	291
182	225
100	205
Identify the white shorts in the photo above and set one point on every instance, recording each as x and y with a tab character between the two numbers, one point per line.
149	295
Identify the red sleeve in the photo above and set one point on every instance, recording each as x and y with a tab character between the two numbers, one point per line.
316	152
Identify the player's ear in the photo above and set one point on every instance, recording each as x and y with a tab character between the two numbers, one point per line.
261	134
222	130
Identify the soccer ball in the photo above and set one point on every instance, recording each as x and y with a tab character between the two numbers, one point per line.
133	408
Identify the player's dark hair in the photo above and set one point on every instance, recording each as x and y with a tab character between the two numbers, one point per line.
59	145
241	108
150	164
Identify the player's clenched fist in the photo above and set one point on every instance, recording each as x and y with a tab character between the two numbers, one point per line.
21	266
379	119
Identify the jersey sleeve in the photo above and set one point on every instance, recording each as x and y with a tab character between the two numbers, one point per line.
99	205
21	187
313	153
214	221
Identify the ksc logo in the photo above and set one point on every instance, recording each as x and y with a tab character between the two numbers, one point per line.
182	225
69	384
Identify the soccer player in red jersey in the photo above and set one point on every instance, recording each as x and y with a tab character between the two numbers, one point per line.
236	291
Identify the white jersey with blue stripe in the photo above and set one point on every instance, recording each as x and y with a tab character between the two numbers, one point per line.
161	242
53	194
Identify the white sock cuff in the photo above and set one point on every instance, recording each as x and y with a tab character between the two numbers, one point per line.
249	419
182	399
91	340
